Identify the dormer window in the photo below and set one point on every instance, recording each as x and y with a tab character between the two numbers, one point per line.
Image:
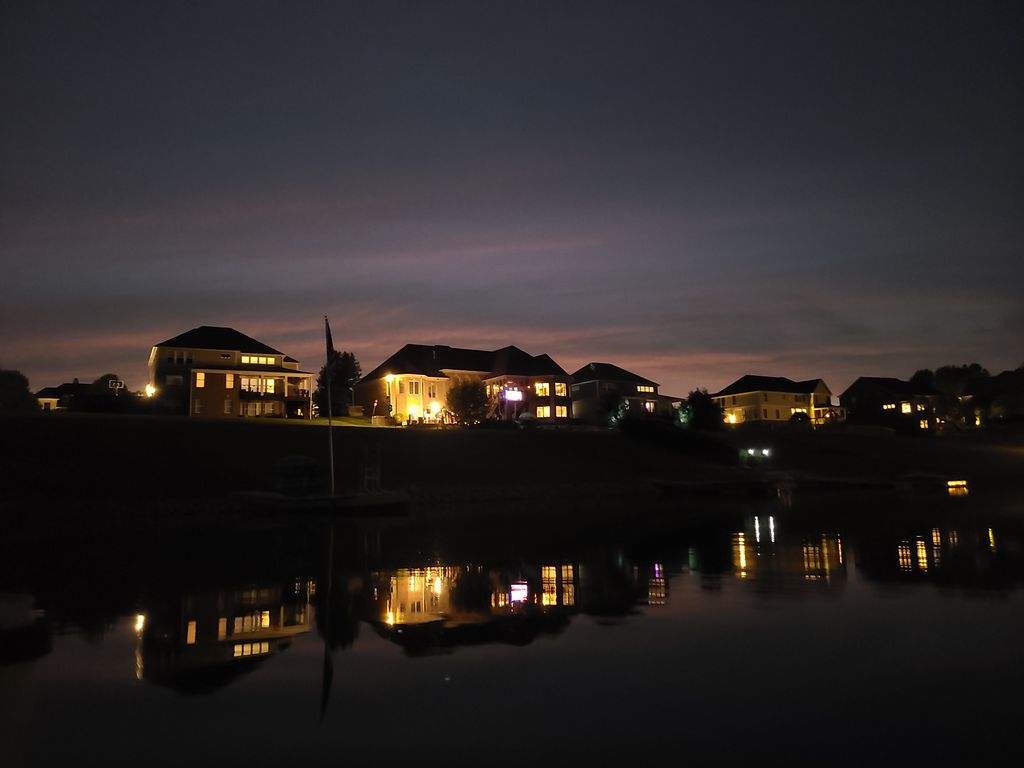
257	360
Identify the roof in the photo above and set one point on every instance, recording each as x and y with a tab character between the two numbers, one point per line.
433	360
608	372
243	369
215	337
895	387
63	390
753	383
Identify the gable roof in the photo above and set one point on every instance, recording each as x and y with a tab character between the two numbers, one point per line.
608	372
64	390
433	360
753	383
216	337
888	385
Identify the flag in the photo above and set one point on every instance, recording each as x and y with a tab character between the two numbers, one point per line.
330	341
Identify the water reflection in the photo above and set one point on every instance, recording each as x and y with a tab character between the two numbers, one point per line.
196	642
201	628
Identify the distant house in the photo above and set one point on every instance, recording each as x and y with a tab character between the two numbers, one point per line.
213	371
597	387
774	399
890	402
415	381
62	397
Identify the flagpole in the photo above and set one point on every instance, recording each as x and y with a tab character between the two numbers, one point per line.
330	423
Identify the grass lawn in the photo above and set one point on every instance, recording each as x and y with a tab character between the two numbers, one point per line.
51	459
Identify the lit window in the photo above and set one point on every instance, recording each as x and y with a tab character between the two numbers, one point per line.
229	381
920	406
245	359
560	389
222	628
905	408
265	619
542	388
190	633
649	406
432	391
561	412
889	407
200	379
644	388
923	424
543	411
270	386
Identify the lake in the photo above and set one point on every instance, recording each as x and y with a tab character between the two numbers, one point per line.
829	629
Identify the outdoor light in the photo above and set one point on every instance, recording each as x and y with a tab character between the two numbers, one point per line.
140	623
150	390
389	378
766	452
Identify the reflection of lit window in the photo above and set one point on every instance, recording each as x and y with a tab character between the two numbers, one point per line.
549	585
543	411
812	562
190	633
922	555
739	554
903	554
991	540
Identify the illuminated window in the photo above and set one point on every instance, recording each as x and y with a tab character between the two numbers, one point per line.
560	389
923	423
265	619
905	408
200	379
542	388
920	406
245	359
270	385
649	406
561	412
227	407
190	633
222	628
432	391
229	381
644	388
543	411
549	585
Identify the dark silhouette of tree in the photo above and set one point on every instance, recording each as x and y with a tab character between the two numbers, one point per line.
468	401
14	393
700	411
345	372
957	379
923	381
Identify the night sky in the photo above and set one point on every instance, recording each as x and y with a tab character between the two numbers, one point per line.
693	191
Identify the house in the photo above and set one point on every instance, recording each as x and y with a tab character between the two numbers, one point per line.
413	383
599	387
62	397
214	371
890	402
774	399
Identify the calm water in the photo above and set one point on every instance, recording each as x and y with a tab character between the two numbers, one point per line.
824	631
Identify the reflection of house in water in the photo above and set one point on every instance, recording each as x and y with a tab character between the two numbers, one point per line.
204	640
962	556
437	608
764	555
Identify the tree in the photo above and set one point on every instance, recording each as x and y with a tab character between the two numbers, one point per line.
923	382
468	401
345	372
14	393
700	411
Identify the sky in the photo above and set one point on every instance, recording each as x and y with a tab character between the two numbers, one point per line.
692	191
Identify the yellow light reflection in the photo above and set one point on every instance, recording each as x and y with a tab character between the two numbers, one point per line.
140	623
922	555
991	540
739	554
903	555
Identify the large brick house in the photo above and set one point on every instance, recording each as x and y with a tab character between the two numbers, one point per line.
220	372
415	381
